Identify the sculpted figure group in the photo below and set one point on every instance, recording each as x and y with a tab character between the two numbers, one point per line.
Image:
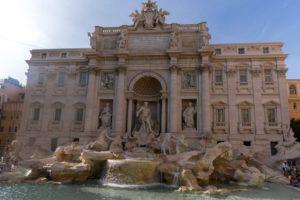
149	17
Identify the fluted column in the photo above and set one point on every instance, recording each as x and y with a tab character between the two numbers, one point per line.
206	118
163	112
173	101
119	110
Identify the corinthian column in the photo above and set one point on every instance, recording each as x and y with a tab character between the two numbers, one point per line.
206	118
173	101
119	110
129	113
91	115
163	112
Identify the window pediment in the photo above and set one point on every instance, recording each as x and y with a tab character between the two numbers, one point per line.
245	103
219	103
271	103
36	104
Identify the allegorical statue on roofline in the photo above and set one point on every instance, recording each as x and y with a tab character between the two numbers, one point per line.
149	17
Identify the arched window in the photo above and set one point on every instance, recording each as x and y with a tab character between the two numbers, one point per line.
293	89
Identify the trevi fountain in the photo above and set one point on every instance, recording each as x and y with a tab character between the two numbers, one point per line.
152	159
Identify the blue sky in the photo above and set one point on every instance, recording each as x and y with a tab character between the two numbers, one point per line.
31	24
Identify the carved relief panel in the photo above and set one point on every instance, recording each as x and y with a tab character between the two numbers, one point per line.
189	80
107	80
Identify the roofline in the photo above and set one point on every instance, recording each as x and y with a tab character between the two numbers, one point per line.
249	43
62	49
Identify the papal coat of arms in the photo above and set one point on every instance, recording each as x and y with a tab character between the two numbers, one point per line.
149	17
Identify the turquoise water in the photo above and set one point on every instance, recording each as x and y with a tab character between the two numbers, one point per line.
94	191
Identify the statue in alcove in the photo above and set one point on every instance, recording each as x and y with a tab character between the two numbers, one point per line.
188	116
105	117
145	128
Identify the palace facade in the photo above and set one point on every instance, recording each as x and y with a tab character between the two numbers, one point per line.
171	73
294	98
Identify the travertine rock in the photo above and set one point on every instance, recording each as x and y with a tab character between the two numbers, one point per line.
238	171
68	172
168	171
70	153
204	167
94	156
101	143
132	172
188	181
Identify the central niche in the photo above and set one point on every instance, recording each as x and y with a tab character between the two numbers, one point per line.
146	114
147	87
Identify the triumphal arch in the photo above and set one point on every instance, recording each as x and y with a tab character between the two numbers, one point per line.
153	78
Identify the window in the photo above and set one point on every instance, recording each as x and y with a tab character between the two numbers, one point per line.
266	50
79	114
241	50
9	129
246	116
36	114
44	56
218	51
219	77
57	114
41	78
268	75
247	143
293	89
295	106
243	76
271	116
16	129
54	142
220	116
61	79
83	79
63	55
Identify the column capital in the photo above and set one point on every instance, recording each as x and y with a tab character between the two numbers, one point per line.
206	51
129	95
174	68
121	69
282	72
164	94
205	67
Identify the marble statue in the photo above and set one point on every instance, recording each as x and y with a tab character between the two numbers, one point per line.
166	145
137	19
143	129
161	16
144	116
188	116
174	40
105	117
92	40
122	40
181	144
149	17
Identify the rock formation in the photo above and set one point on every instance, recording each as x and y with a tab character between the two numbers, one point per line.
105	158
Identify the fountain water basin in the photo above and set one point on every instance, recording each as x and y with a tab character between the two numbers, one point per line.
131	172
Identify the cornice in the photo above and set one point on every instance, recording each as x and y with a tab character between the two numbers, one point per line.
57	61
